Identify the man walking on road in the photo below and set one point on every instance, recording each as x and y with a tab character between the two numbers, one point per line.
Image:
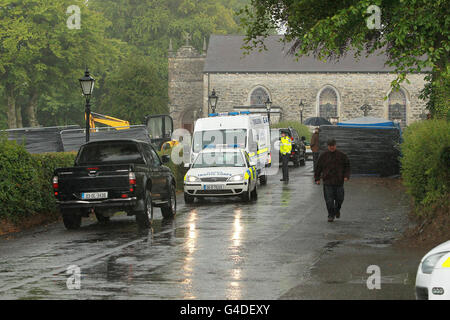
285	150
315	147
334	168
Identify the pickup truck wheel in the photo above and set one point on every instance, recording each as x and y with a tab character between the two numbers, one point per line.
188	198
169	211
296	161
71	219
145	218
101	218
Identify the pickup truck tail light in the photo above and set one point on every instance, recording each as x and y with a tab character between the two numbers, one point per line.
55	185
132	181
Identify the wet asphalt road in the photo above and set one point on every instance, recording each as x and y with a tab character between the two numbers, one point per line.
274	248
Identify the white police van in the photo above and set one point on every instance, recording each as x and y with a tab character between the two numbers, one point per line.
221	171
250	132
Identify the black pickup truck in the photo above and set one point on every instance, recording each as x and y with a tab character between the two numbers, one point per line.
115	175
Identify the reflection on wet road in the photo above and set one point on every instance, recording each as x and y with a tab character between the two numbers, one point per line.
213	249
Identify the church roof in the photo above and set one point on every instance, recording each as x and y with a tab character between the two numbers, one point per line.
225	55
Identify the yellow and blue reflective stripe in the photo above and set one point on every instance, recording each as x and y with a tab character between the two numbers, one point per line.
446	264
263	150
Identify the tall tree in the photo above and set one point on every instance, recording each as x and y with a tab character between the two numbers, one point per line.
413	33
41	54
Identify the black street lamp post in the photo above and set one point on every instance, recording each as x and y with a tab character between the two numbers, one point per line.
212	99
268	104
87	86
301	105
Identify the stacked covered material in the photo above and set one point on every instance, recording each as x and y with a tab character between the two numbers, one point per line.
372	149
41	139
73	139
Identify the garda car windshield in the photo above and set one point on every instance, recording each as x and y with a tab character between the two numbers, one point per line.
219	159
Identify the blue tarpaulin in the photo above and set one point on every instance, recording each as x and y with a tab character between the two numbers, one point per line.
368	122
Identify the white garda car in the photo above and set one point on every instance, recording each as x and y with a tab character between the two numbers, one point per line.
433	275
221	171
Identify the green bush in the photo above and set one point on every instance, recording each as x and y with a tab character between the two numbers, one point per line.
47	163
19	186
25	187
425	163
302	130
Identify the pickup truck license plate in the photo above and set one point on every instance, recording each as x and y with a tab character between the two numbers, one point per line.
213	187
94	195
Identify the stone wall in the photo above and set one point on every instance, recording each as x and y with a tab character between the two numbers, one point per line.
185	84
286	90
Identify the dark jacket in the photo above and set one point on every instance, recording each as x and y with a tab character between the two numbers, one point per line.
333	167
315	142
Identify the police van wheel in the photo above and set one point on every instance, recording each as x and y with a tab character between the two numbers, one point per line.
254	194
263	180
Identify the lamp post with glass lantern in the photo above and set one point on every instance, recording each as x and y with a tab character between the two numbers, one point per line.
301	105
212	100
87	86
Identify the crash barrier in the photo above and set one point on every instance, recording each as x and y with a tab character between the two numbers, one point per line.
39	139
72	139
371	150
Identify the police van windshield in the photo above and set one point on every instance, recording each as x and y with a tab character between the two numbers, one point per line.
219	159
220	137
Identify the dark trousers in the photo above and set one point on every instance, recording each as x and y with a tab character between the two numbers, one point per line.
315	158
285	163
334	197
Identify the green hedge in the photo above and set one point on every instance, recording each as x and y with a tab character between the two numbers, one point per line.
47	163
425	163
25	187
302	130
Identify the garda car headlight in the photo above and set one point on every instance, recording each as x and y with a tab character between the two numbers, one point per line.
192	179
236	178
429	263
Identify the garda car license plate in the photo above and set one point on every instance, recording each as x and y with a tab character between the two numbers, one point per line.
94	195
213	187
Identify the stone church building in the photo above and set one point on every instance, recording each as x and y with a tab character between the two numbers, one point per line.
333	90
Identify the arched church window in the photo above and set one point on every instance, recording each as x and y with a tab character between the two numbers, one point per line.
397	106
328	103
259	96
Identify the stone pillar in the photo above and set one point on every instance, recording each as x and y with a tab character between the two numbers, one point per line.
185	85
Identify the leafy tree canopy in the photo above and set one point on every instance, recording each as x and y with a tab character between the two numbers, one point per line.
413	33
